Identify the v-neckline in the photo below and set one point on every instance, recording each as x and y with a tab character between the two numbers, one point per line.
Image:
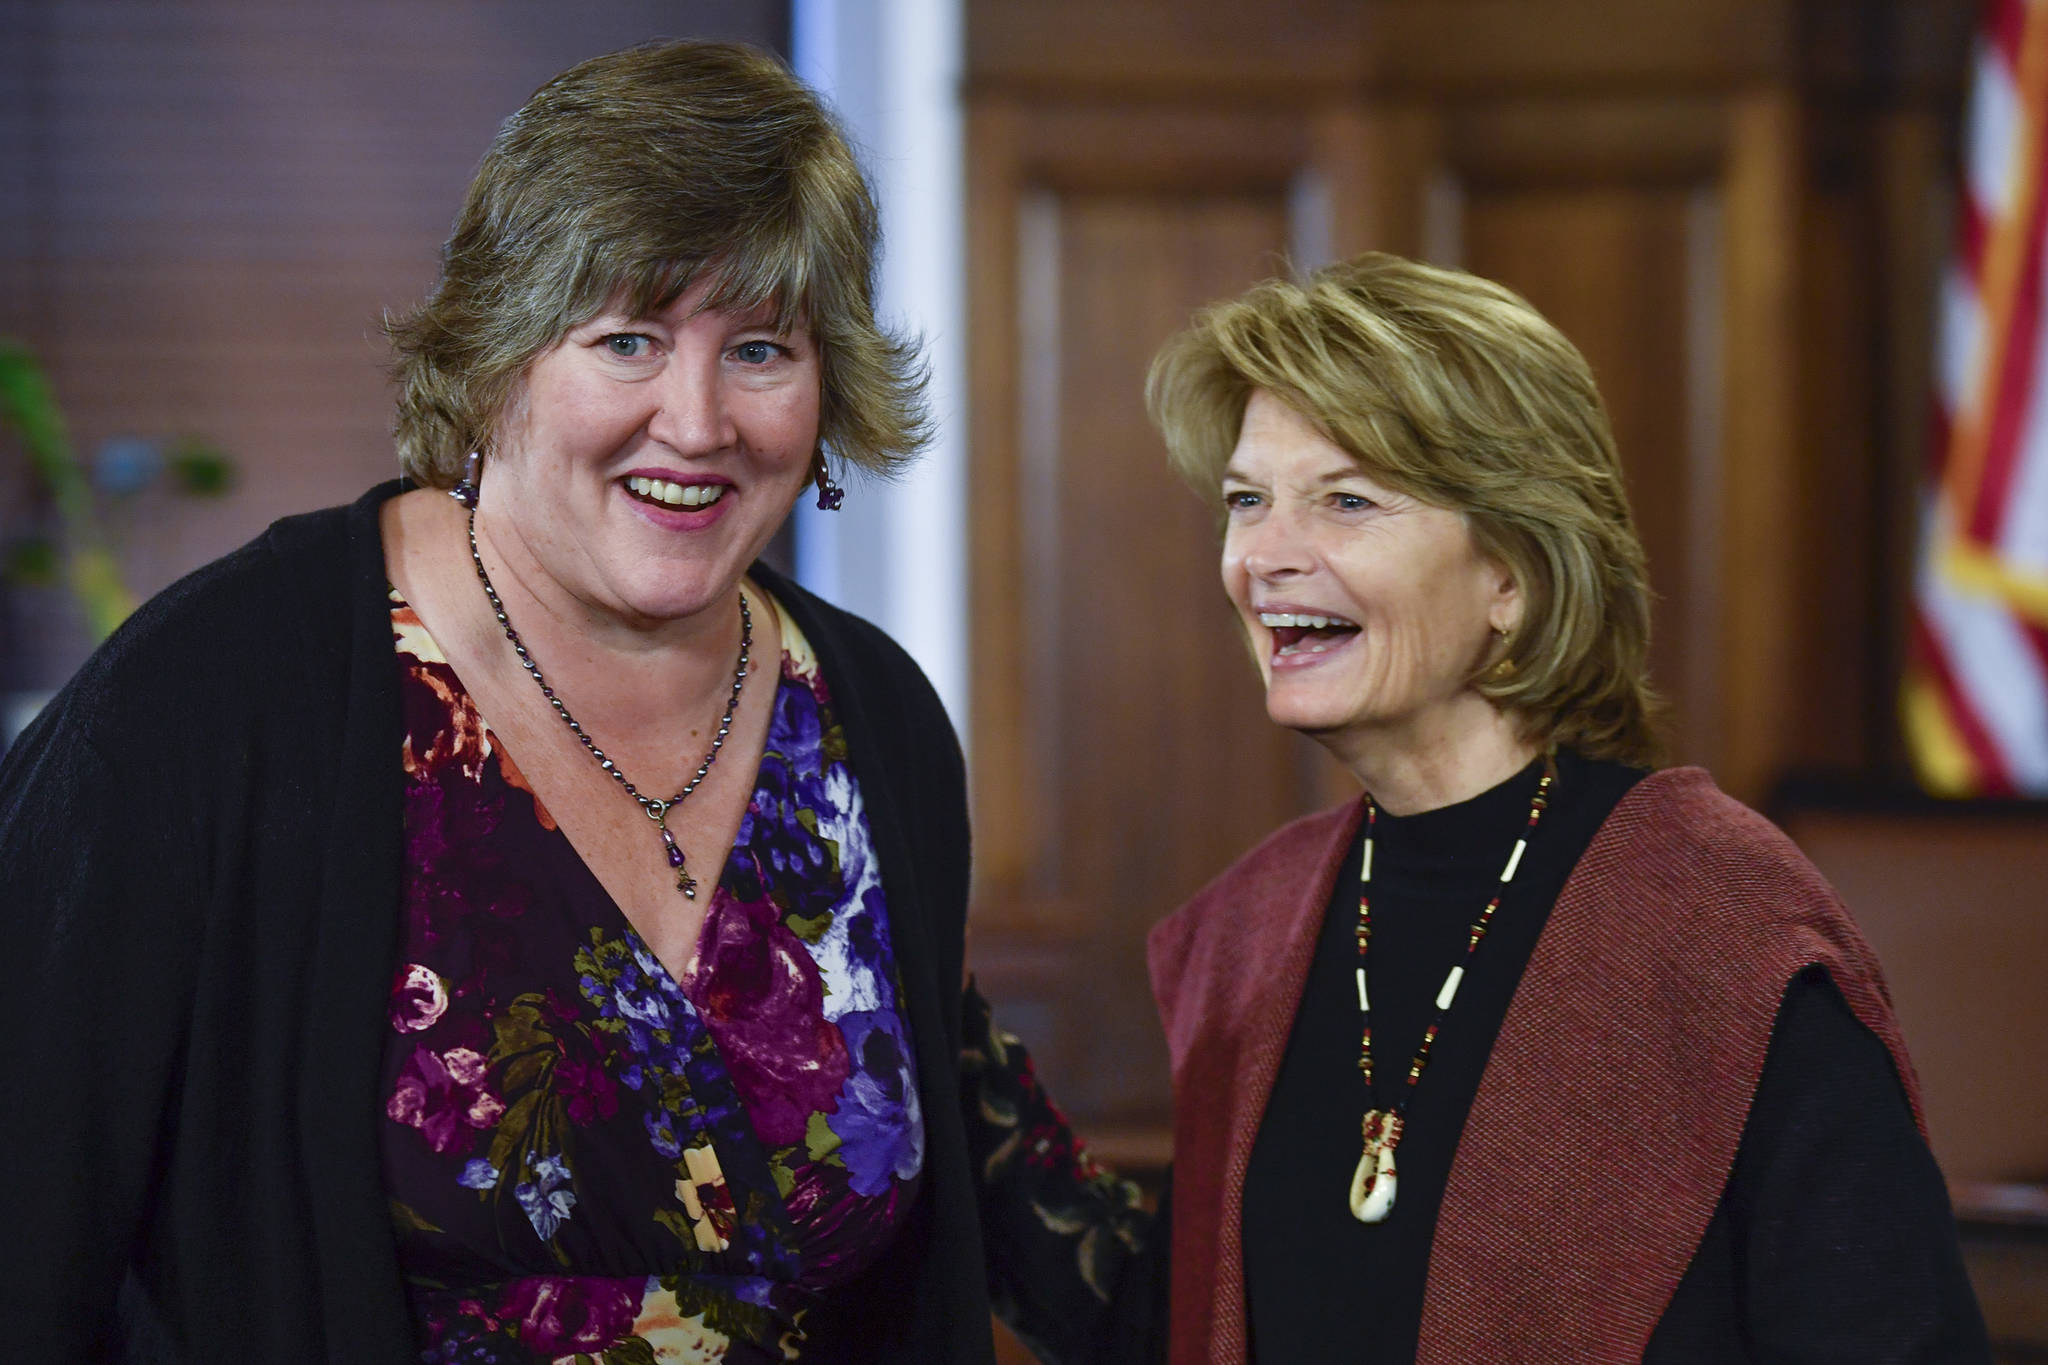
551	831
743	1165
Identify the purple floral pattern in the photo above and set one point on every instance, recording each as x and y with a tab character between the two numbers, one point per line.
763	1000
560	1108
446	1096
878	1124
418	998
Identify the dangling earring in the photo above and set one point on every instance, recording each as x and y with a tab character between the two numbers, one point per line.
830	494
467	492
1504	668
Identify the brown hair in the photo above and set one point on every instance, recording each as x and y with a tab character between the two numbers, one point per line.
627	179
1453	390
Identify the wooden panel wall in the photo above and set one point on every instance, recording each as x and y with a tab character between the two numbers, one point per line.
1733	209
1108	667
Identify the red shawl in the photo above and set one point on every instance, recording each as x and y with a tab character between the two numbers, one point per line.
1608	1115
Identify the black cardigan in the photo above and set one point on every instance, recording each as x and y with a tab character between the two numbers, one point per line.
200	870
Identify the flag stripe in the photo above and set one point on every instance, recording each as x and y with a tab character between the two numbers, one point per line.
1977	573
1993	676
2012	388
2006	256
1977	742
1971	232
1940	757
1958	357
1937	439
2037	639
1942	764
2005	28
2020	540
1995	124
1975	698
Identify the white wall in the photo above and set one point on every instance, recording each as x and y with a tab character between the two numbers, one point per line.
896	553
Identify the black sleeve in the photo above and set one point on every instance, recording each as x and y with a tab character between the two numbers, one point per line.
99	949
1077	1269
1834	1241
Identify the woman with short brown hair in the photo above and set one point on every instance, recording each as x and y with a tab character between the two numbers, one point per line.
521	926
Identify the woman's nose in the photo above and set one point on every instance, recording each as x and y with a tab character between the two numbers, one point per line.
691	415
1273	548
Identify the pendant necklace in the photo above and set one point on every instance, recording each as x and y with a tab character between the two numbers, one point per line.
1373	1180
657	810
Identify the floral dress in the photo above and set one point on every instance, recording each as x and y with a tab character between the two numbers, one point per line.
589	1159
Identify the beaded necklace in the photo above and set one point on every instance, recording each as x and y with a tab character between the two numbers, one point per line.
654	808
1373	1180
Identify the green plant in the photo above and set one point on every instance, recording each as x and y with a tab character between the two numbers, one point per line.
87	562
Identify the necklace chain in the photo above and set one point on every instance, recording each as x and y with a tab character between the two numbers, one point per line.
1381	1128
656	809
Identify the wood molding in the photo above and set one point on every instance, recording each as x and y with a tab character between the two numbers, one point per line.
1005	816
1759	520
1133	51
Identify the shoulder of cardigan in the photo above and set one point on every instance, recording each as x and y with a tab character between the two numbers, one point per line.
1678	834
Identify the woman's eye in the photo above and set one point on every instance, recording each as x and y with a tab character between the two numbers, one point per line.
1353	502
757	352
628	345
1238	499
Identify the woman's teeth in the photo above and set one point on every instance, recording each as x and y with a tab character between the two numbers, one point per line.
675	494
1297	632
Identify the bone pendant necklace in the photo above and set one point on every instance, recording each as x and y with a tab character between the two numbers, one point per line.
1375	1179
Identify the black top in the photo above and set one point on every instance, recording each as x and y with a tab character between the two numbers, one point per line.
199	887
1834	1230
1315	1276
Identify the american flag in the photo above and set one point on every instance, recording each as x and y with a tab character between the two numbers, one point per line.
1976	691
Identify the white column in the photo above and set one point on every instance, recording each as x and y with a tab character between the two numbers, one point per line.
896	553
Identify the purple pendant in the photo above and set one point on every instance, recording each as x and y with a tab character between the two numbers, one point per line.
685	883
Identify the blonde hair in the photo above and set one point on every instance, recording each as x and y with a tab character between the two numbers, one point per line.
1453	390
626	180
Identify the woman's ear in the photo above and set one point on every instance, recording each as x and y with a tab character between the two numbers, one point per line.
1504	613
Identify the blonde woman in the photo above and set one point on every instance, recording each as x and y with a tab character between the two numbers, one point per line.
1534	1051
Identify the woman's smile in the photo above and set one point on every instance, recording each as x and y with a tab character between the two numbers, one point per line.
656	491
1303	638
679	502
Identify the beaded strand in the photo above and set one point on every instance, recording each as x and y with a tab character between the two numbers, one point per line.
654	808
1373	1183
